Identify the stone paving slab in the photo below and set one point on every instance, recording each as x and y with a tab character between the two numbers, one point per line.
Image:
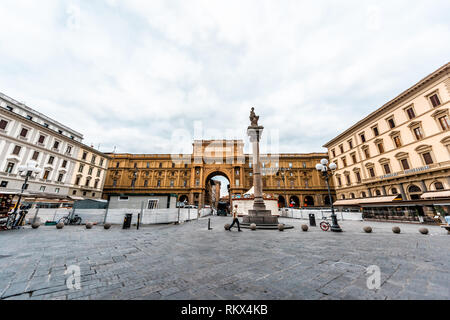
189	262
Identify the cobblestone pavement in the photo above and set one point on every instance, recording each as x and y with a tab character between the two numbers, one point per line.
189	262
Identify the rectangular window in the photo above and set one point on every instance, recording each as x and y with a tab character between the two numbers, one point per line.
3	124
350	144
339	181
334	153
171	183
290	164
197	182
391	123
405	164
16	150
101	162
51	159
56	190
435	100
358	177
410	112
46	174
10	167
93	159
123	198
344	162
64	164
90	171
427	158
81	168
159	183
184	183
445	124
397	141
366	153
341	148
35	155
98	173
387	169
56	145
418	133
24	133
114	183
363	137
69	149
117	164
4	184
380	147
29	117
152	204
145	183
60	177
41	139
237	182
42	189
371	172
376	133
96	184
347	177
354	158
84	156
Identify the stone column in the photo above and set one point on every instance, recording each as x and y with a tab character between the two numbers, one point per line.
402	191
255	135
383	188
369	192
424	186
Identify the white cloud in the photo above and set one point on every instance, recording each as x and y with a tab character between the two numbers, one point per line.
129	73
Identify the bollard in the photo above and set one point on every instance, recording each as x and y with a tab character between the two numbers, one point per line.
209	224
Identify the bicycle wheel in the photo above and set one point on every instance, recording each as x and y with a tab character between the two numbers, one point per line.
77	220
64	220
324	226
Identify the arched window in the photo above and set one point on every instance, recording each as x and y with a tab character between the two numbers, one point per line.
414	188
438	186
378	192
352	195
363	194
394	191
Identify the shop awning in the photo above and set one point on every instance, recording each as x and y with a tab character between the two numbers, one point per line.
76	198
436	194
355	202
348	202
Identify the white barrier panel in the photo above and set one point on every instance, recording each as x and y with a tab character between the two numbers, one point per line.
320	214
116	216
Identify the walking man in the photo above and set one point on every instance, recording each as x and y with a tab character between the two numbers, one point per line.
235	219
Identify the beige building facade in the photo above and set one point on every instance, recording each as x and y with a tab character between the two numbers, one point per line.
289	178
89	175
400	152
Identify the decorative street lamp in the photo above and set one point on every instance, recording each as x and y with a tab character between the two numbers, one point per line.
29	170
327	171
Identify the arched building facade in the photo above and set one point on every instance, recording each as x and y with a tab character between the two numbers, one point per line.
291	177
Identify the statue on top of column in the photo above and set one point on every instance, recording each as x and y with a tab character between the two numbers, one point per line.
253	118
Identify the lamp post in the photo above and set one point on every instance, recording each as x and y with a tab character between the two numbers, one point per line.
27	171
327	171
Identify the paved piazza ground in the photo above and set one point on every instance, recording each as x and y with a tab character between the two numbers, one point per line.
189	262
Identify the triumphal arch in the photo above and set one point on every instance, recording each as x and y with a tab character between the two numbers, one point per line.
291	177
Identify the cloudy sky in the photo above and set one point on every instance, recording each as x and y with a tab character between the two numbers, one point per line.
130	74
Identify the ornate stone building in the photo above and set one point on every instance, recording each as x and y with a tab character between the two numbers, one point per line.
396	161
290	177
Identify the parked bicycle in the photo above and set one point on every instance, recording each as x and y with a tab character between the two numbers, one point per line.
76	219
325	225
